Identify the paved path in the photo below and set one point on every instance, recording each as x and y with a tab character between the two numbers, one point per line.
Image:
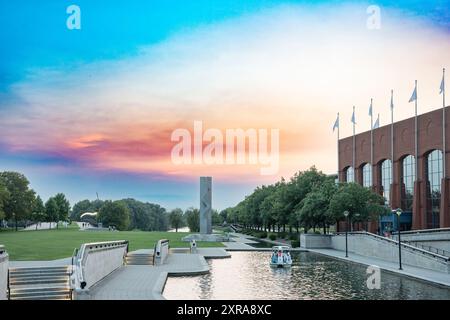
436	277
147	282
213	253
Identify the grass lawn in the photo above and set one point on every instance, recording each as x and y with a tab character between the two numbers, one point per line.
56	244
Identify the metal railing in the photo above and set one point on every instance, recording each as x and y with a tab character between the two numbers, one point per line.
8	289
84	251
403	244
430	248
424	231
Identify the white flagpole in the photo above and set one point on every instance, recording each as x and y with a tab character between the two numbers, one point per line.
354	144
392	138
371	133
339	165
443	124
416	132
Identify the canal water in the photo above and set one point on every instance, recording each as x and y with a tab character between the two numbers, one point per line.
247	275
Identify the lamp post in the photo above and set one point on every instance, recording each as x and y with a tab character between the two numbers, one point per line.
399	212
346	213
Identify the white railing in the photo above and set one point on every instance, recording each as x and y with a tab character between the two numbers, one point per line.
161	251
82	276
4	281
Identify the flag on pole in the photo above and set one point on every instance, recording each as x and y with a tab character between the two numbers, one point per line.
377	123
336	123
353	117
442	85
370	108
414	95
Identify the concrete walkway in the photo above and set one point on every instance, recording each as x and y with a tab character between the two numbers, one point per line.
147	282
435	277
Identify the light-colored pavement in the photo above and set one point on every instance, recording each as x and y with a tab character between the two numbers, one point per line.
213	253
147	282
436	277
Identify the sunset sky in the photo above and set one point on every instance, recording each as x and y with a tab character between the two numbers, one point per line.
93	110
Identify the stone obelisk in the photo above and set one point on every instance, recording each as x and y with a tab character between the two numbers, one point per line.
205	205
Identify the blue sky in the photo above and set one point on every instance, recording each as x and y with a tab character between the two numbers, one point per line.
33	33
64	93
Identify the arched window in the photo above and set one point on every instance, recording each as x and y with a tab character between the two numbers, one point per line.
408	178
434	177
367	175
350	175
386	179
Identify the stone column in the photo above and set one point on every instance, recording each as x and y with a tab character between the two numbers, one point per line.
444	211
205	205
395	192
420	197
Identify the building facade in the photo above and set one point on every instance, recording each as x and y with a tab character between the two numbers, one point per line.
424	195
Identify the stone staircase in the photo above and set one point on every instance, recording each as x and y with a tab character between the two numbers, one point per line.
39	283
134	258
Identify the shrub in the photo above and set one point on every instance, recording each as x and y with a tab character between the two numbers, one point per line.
262	235
317	232
272	237
295	244
282	235
293	237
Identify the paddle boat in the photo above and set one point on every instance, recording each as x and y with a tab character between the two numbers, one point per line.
281	257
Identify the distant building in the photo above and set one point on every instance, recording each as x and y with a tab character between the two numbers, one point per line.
423	197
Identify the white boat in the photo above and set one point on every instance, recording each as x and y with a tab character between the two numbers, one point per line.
281	257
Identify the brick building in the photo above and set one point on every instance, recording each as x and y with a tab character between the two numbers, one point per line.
425	197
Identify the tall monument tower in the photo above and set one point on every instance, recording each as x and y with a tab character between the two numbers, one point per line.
205	205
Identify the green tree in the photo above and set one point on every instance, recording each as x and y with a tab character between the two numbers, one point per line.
193	219
63	207
114	214
4	196
38	214
315	208
216	218
19	204
79	208
51	211
176	218
362	203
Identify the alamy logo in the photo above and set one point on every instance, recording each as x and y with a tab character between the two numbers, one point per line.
73	21
229	148
374	279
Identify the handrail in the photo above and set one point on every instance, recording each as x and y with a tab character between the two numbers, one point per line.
430	248
437	230
407	246
8	293
74	255
3	256
90	247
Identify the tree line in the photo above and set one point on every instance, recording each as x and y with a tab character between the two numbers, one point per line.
20	204
308	200
191	218
125	214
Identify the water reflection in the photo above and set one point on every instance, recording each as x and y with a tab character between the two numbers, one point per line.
247	275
